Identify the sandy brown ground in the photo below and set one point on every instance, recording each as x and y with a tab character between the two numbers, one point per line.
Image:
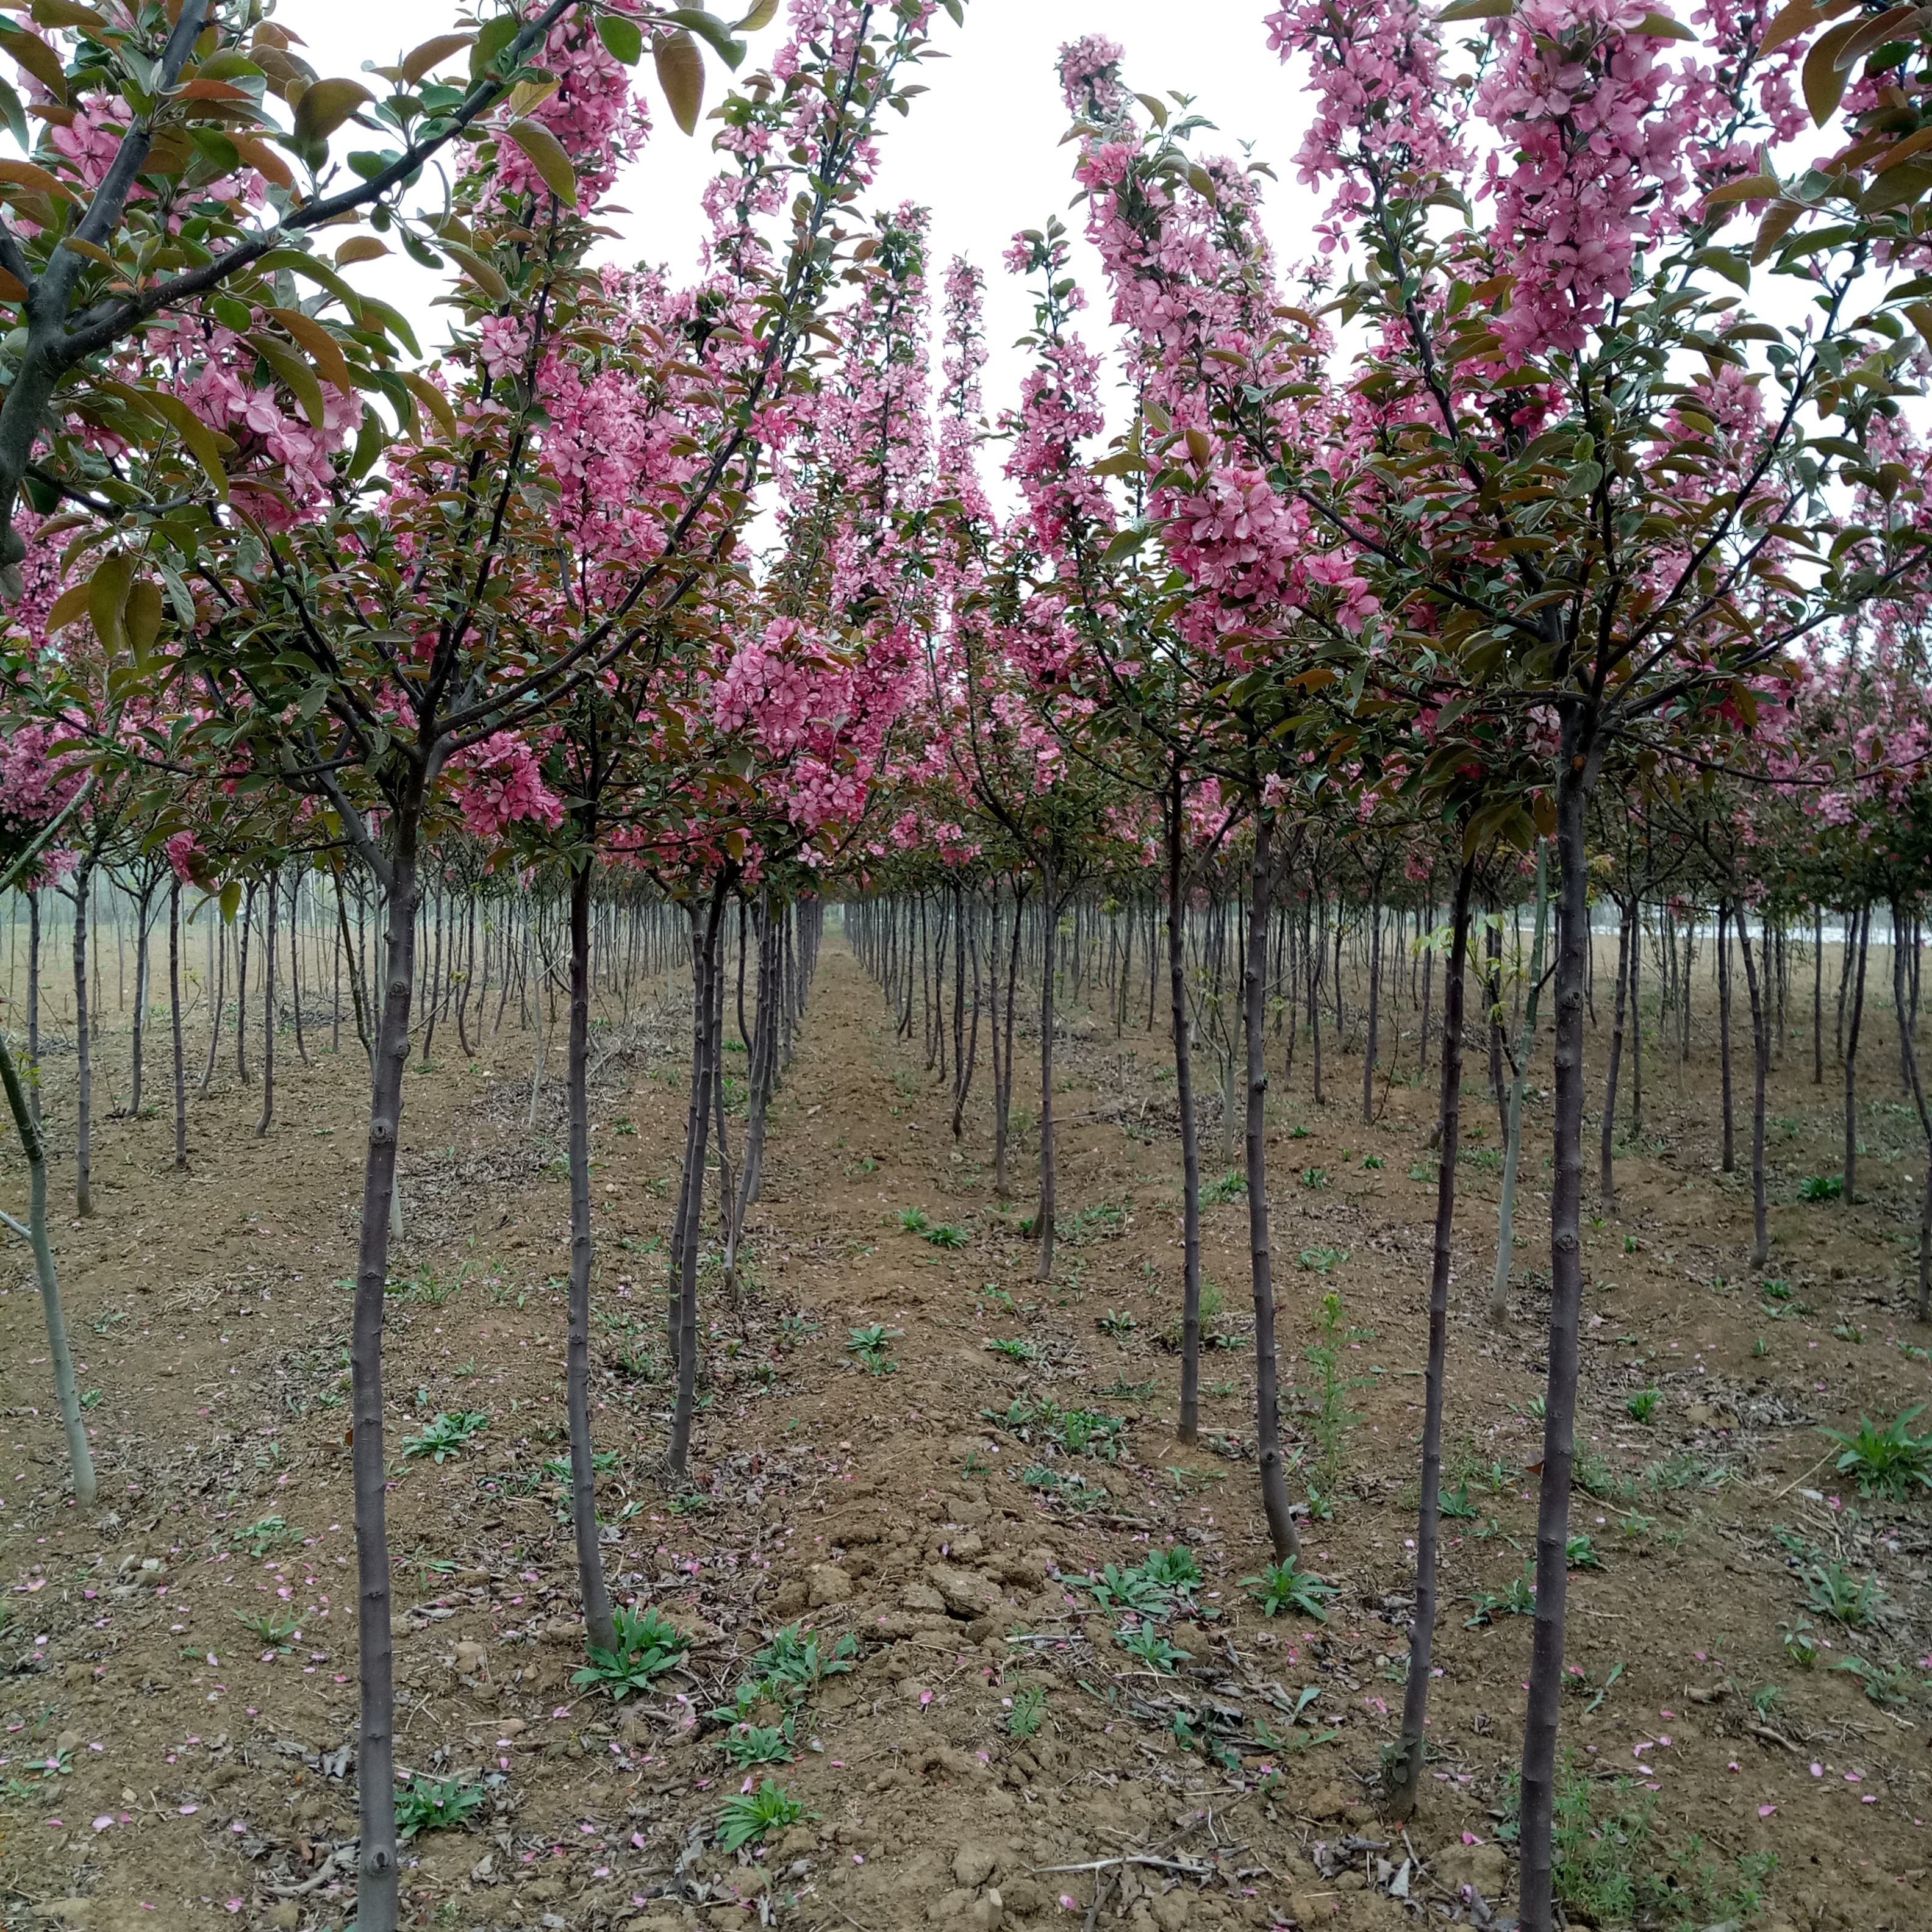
166	1765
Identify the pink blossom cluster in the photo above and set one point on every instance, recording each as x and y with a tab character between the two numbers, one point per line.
500	784
597	112
1597	136
212	371
33	784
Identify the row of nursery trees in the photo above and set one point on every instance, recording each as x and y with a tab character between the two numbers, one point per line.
297	958
1509	553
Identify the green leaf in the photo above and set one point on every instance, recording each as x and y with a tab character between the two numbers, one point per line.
195	434
547	157
1726	262
324	105
297	263
681	74
393	320
433	54
479	271
623	39
370	442
34	55
141	617
296	375
1824	80
16	116
217	149
708	27
496	35
417	251
1872	34
1897	187
1751	187
1477	10
107	597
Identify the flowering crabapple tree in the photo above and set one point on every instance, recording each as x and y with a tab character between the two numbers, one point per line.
390	648
1529	493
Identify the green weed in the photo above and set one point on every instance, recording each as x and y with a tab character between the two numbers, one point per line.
1026	1712
1286	1586
647	1646
444	1436
1891	1461
751	1815
435	1804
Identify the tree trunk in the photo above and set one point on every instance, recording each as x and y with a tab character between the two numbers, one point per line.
242	986
727	1190
707	989
348	945
1863	920
142	905
764	1045
34	1005
1375	1006
1575	774
1760	1064
1818	997
218	980
375	1767
1318	960
1267	1417
1915	1086
1003	1185
1428	990
757	1047
261	1126
1607	1180
174	1019
1525	1045
1729	1158
1043	1222
681	1216
79	1459
598	1624
295	961
469	969
1636	1018
83	1154
1405	1766
1493	996
1190	1143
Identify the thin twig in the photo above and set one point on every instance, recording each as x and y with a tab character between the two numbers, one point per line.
1812	1471
1130	1858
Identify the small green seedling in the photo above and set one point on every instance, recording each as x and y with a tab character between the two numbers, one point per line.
647	1646
1891	1461
445	1436
1026	1712
1286	1586
1517	1599
749	1816
870	1344
1146	1643
436	1804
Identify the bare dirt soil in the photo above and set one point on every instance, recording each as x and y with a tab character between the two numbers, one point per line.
179	1699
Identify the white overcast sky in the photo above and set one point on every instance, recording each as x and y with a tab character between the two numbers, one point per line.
981	149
